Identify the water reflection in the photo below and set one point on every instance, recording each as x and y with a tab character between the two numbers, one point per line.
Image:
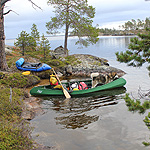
75	112
76	121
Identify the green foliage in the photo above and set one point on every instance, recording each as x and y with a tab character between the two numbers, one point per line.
25	42
75	15
59	63
107	31
7	108
18	80
56	63
14	138
147	23
45	46
97	63
34	33
136	24
135	105
14	131
146	143
130	27
14	80
147	120
72	60
91	32
139	51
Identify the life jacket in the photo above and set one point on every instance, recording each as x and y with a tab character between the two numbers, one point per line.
53	81
82	86
54	84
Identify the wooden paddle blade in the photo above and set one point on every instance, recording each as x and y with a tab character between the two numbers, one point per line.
64	90
66	93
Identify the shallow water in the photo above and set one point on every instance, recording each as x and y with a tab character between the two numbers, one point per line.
95	123
90	123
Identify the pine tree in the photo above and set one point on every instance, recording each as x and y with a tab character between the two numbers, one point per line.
45	46
137	106
75	15
139	51
25	42
35	33
136	56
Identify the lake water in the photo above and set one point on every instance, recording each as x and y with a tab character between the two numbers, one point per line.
95	123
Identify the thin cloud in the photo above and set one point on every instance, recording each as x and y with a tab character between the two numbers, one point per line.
107	12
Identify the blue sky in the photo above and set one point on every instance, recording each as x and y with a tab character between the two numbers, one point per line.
109	13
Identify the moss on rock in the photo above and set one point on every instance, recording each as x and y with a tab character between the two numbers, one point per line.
18	80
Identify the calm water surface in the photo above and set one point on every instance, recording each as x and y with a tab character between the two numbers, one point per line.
98	122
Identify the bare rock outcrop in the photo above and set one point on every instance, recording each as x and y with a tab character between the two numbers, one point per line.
89	64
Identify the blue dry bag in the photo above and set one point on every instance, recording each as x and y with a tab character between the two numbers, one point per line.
20	62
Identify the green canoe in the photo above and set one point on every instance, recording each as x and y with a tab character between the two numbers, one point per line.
46	90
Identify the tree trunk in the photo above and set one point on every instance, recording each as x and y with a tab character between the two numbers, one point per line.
23	47
67	29
3	63
66	39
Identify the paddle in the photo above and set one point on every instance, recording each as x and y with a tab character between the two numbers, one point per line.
64	90
26	73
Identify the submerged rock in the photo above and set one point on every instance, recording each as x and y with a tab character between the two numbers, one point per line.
32	108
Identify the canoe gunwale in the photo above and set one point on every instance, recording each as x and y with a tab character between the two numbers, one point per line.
44	91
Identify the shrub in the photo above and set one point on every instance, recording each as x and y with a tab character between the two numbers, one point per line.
14	131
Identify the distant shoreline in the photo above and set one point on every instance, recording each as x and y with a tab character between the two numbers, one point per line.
10	41
76	36
40	36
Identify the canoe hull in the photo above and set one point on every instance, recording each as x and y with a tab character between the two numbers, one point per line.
46	91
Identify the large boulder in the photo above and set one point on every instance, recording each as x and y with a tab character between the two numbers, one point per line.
58	52
89	64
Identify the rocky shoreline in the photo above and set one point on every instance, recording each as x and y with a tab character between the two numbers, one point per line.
83	66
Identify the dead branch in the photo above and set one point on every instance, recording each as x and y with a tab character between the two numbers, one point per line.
9	12
34	5
144	94
10	98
